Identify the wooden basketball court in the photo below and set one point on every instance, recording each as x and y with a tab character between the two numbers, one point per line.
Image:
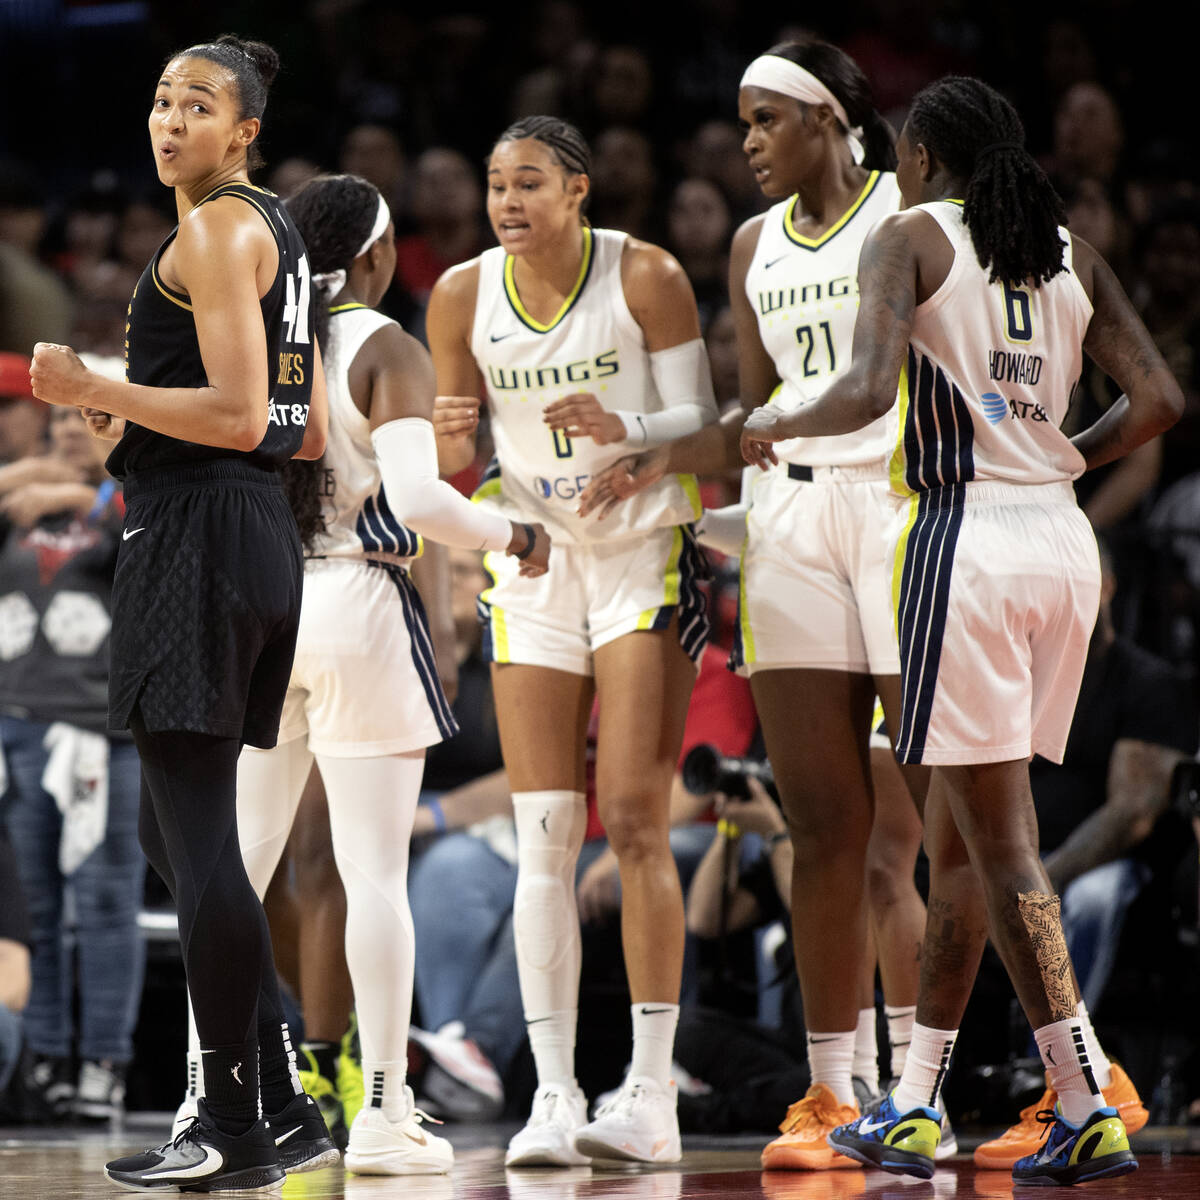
65	1164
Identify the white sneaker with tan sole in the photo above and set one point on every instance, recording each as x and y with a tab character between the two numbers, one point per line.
379	1146
548	1139
639	1123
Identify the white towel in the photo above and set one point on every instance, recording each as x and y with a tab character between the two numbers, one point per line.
76	775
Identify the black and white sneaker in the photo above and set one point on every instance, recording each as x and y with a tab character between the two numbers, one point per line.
302	1138
203	1159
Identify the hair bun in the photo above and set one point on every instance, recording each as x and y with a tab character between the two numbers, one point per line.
264	57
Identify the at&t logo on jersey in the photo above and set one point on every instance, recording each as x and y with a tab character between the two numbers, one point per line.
288	414
996	408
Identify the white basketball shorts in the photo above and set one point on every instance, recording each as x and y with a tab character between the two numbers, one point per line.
364	682
593	594
815	587
996	589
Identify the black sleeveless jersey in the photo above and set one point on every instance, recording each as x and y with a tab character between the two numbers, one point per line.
161	350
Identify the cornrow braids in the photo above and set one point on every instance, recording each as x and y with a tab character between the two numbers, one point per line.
845	79
1011	210
560	137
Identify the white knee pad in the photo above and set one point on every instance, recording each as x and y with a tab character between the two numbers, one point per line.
550	829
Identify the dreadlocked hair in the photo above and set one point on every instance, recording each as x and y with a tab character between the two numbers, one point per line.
560	137
1011	210
335	215
845	79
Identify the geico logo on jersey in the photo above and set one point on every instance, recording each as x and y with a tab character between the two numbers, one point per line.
1011	366
565	487
996	408
508	379
288	414
811	293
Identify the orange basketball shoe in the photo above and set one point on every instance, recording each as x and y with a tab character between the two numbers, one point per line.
801	1145
1026	1135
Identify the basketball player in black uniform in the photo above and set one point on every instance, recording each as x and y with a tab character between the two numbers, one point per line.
224	386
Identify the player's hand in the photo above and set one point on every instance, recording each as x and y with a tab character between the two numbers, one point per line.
455	417
537	561
763	426
582	415
103	425
57	374
626	477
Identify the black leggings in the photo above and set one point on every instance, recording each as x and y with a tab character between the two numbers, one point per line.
188	830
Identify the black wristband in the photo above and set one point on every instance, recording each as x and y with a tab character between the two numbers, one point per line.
776	838
531	534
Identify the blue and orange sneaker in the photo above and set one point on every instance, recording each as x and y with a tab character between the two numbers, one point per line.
1097	1149
902	1143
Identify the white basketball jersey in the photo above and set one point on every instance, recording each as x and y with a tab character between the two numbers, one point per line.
592	345
358	522
804	292
990	373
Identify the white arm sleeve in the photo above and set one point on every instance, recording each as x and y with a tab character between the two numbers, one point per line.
407	454
684	381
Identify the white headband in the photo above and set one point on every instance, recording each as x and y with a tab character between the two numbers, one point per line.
778	74
332	282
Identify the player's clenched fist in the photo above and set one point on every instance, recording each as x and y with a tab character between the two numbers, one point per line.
57	374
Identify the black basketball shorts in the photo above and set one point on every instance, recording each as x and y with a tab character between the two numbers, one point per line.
206	602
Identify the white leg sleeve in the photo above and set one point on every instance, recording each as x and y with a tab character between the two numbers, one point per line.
550	829
372	802
269	786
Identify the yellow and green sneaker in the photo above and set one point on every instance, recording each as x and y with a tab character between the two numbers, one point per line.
1097	1149
902	1143
350	1074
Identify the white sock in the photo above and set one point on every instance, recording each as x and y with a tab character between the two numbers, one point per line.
1101	1067
653	1041
831	1062
900	1025
866	1050
552	1040
1064	1050
925	1068
383	1087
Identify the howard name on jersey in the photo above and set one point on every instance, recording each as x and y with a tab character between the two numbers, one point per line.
990	372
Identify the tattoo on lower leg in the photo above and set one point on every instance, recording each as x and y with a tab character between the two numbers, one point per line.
1042	917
